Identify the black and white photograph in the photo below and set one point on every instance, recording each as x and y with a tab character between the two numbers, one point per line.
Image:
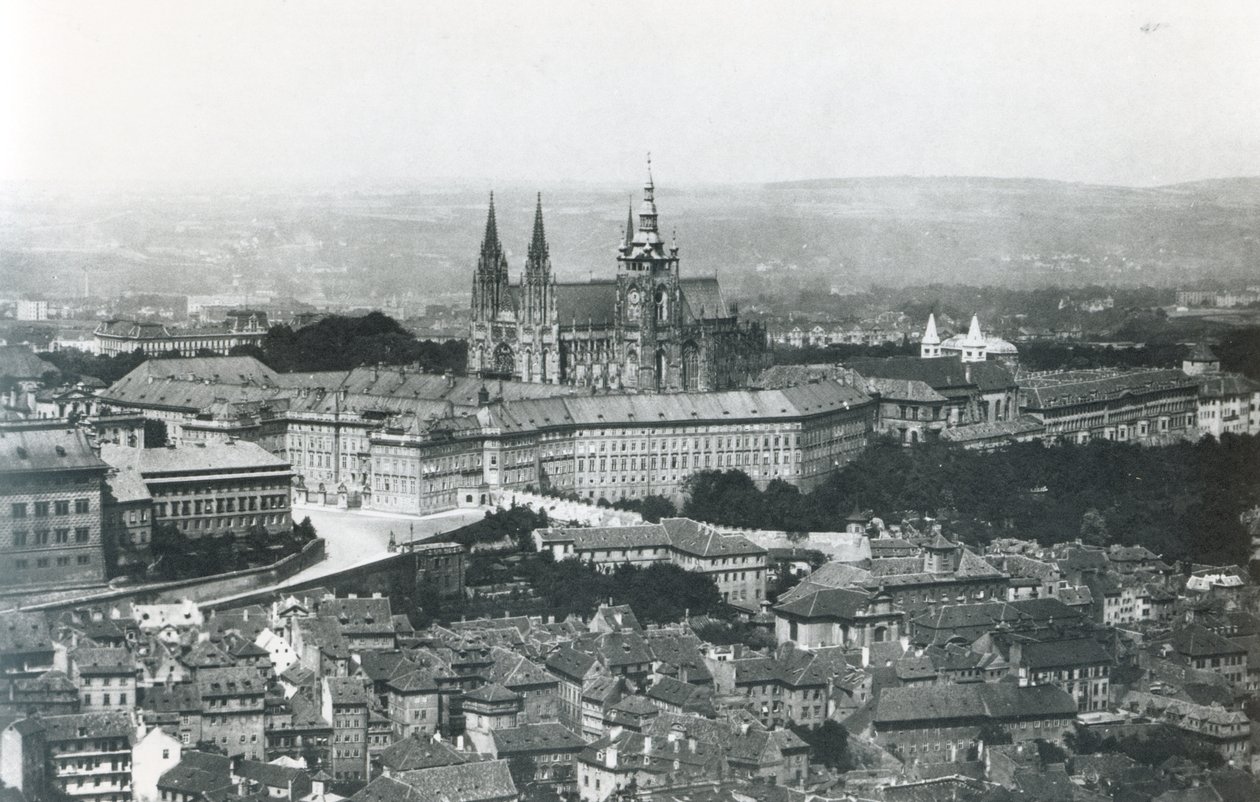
579	401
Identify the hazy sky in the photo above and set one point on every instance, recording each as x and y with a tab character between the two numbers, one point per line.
358	93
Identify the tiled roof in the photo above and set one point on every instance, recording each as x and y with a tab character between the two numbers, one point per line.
179	697
683	534
465	782
1014	427
199	773
87	725
418	681
516	671
347	691
416	752
838	603
102	661
1225	385
491	692
1064	653
940	373
268	774
904	390
544	737
20	362
1042	391
51	449
23	632
1194	640
593	302
915	703
195	458
233	681
703	299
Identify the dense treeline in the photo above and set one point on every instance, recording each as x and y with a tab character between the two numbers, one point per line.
1240	352
1075	356
342	343
1182	501
75	364
658	593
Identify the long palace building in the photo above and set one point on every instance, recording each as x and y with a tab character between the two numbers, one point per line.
649	329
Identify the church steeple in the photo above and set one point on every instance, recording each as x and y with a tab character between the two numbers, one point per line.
490	241
648	232
490	282
629	238
537	254
538	296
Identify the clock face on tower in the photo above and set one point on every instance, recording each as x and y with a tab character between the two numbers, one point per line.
634	296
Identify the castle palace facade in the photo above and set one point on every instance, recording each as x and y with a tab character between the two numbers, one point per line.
647	330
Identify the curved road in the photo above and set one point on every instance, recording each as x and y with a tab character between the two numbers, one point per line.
354	538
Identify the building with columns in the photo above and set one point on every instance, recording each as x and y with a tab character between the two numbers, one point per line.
648	329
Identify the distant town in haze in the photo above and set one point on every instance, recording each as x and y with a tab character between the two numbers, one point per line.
882	489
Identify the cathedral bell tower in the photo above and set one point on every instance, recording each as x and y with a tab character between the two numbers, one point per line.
649	298
490	282
539	283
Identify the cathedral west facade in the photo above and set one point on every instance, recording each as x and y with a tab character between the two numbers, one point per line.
648	329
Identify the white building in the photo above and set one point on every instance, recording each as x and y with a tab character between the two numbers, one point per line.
32	310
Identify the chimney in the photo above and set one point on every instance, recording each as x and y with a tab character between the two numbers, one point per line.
691	744
866	656
647	744
610	756
459	743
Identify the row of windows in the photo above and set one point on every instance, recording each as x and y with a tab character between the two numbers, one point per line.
42	508
43	562
43	537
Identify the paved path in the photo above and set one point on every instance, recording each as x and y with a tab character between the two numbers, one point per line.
355	538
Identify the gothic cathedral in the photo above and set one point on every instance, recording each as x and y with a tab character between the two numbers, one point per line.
647	330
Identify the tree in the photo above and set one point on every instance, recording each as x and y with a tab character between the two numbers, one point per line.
154	433
991	734
828	745
1094	528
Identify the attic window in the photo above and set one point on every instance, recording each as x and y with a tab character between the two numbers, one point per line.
21	452
61	451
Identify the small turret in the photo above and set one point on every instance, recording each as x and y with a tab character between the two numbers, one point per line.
930	345
974	346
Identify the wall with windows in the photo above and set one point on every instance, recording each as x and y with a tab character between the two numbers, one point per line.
50	528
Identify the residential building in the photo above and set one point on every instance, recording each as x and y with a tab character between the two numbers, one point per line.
211	489
106	678
121	336
154	754
51	486
736	564
552	748
345	706
22	756
941	723
232	708
89	755
1112	404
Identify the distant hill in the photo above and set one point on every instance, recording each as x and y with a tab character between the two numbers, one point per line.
772	241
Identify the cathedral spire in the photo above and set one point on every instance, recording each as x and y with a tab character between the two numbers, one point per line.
490	242
629	223
538	245
647	209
